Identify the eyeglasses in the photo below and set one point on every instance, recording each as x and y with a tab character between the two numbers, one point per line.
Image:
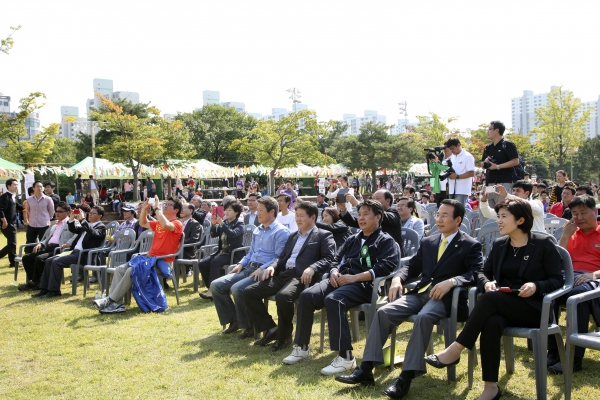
169	205
61	211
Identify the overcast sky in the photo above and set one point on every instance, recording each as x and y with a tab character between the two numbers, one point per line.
456	58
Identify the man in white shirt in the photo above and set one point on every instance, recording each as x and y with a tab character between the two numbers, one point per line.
520	190
251	218
285	216
464	166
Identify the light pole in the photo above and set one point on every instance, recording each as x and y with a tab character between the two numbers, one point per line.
403	107
295	96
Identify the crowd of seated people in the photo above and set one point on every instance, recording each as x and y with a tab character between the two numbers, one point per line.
296	243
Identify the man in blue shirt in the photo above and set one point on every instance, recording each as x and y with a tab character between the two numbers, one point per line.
268	241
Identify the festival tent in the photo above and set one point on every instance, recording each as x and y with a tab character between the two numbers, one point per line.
9	169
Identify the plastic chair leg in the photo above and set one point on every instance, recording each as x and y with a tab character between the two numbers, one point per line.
196	277
323	321
509	354
393	348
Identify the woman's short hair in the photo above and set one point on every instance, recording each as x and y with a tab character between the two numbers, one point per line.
519	209
236	206
333	212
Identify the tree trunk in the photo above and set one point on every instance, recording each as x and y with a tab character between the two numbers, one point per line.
169	186
272	182
374	181
136	196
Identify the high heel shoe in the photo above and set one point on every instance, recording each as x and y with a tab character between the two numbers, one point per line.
434	361
498	395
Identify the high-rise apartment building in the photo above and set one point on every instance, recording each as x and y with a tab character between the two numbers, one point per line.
354	122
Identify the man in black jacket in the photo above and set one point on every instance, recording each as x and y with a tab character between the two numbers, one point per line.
369	254
8	220
391	223
192	230
307	254
443	262
90	235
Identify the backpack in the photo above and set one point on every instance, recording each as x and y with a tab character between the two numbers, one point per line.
518	171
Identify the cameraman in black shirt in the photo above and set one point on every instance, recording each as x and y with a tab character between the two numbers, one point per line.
499	158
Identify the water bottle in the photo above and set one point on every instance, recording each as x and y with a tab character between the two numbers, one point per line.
97	295
104	294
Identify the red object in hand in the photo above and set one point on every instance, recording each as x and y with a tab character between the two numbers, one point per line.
77	211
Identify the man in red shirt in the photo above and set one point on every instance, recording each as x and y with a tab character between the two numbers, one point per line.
581	238
560	207
167	238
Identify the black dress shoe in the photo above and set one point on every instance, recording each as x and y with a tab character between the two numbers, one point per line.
41	293
358	376
281	345
557	368
434	361
233	327
267	338
205	297
248	333
50	294
552	359
398	389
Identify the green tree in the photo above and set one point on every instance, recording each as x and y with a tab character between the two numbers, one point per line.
7	44
18	148
434	129
63	152
560	124
587	162
285	143
334	130
133	141
375	149
176	148
214	128
477	141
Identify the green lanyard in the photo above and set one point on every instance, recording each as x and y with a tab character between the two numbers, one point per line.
364	255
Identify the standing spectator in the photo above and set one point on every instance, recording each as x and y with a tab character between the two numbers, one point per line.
139	185
70	199
225	183
79	187
545	199
239	188
40	210
459	183
9	205
150	188
25	213
128	188
94	189
499	158
333	190
562	180
49	191
290	192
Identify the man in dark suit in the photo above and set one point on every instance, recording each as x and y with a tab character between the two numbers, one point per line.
8	219
307	254
192	230
444	261
90	235
252	218
391	222
365	256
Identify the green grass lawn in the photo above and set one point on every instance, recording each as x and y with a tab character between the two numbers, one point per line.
63	348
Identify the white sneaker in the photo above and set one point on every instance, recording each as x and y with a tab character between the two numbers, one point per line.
297	355
338	365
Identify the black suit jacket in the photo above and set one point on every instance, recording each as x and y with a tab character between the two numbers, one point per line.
340	231
391	223
94	236
9	207
192	232
541	264
462	260
247	220
234	232
317	252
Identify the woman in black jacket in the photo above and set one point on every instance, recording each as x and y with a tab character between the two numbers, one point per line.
333	223
231	236
521	268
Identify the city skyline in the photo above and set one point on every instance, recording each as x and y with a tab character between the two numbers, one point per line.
466	60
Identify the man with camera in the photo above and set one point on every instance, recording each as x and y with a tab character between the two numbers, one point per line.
499	158
463	163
